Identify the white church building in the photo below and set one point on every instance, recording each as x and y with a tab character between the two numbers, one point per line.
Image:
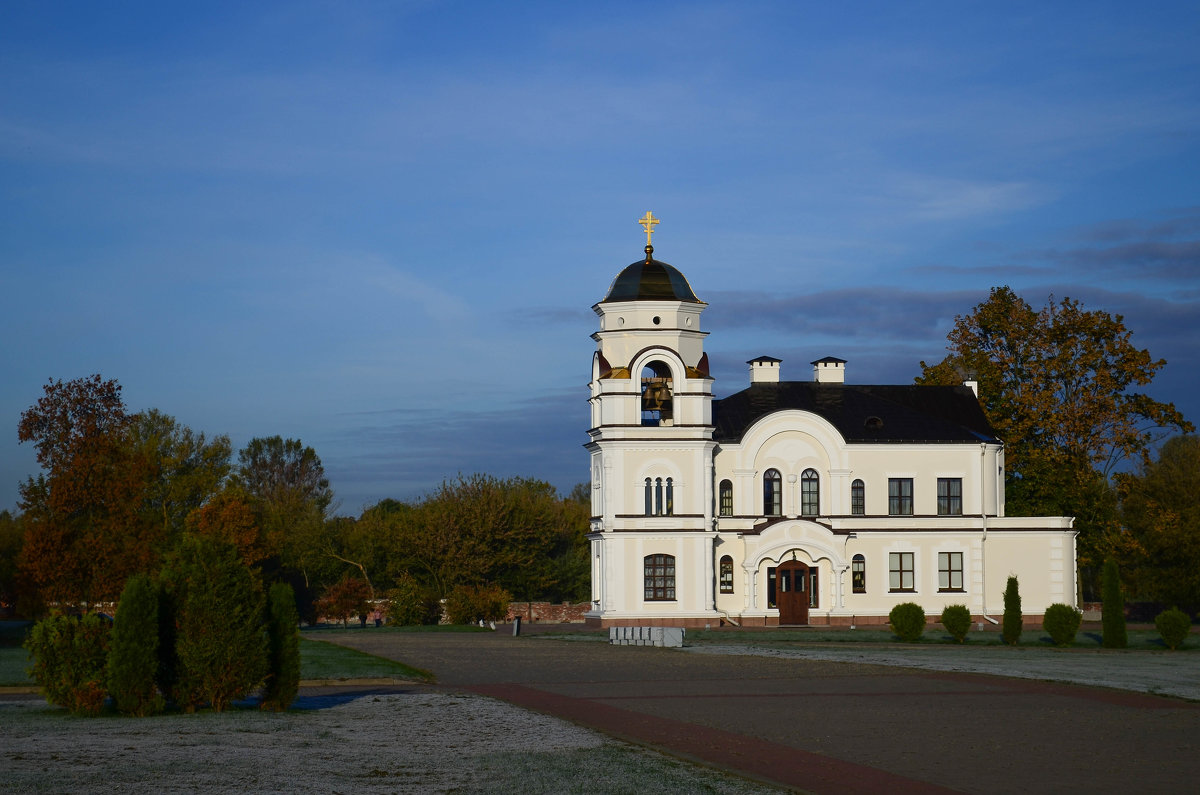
816	502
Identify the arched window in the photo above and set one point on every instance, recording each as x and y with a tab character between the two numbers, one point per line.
670	509
810	493
726	574
660	578
658	497
858	499
649	499
772	493
726	491
858	573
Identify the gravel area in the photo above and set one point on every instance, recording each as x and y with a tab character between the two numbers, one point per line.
409	742
1164	674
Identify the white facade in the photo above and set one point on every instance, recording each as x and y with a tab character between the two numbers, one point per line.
816	502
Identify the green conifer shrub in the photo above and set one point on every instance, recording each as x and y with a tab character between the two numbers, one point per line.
167	674
70	660
1010	628
908	621
409	604
957	621
1112	609
1174	626
283	648
220	644
467	604
133	655
1061	622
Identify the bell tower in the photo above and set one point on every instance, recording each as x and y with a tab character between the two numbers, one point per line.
651	433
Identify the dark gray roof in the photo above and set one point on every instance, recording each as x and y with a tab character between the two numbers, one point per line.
650	280
862	413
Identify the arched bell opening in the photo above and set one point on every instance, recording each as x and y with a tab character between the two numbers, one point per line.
657	395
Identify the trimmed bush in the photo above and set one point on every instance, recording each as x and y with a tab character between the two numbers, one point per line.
133	656
221	647
1010	628
1061	622
908	621
1174	626
167	675
409	604
1112	610
283	648
70	661
467	604
957	621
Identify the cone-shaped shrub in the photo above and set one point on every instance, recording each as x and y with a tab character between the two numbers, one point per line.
1011	626
221	647
133	655
1112	609
167	675
908	621
283	648
70	658
1061	622
957	621
1174	626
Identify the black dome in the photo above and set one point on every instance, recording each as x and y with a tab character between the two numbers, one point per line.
650	280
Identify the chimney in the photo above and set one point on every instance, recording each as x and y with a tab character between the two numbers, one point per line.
830	370
764	370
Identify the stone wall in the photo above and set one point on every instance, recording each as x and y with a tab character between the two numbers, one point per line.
548	612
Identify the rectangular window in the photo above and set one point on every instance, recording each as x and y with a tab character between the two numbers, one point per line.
660	578
949	496
900	501
900	571
950	567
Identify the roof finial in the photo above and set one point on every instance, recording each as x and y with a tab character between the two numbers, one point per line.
648	222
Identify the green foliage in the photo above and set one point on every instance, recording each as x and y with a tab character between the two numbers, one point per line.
1161	511
467	604
220	644
1112	610
70	660
410	604
1061	622
133	657
1011	623
908	621
957	621
283	648
166	676
1174	626
1059	386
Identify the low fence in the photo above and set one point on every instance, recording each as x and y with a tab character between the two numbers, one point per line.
548	612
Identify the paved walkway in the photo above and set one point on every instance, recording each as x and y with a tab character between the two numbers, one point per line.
830	726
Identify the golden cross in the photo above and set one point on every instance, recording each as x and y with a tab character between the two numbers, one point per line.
648	222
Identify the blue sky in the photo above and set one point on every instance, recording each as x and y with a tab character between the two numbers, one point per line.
380	227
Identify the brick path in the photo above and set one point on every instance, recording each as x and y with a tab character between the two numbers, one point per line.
829	726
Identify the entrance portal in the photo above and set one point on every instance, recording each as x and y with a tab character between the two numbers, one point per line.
791	592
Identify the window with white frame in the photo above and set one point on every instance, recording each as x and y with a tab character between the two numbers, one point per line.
901	572
950	571
772	493
810	493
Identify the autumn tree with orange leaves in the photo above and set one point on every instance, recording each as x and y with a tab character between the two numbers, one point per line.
1058	385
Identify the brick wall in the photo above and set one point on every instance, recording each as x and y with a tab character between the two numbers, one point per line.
548	613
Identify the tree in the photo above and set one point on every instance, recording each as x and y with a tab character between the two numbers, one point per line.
288	483
133	654
347	597
1011	622
1058	385
1112	609
1160	507
12	537
283	648
83	536
220	647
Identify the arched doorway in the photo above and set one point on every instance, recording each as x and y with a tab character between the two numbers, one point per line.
791	592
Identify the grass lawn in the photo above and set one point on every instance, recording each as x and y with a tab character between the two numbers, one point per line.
321	660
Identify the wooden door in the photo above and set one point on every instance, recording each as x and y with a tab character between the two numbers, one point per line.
791	592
